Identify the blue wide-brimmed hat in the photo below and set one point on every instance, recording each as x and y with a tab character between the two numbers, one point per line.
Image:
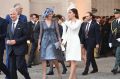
47	12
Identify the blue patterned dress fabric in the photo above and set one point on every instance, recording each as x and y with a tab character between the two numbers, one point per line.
48	40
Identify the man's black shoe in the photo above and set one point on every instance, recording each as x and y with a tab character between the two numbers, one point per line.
29	66
94	71
85	73
114	71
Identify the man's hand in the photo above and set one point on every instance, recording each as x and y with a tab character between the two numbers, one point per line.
8	42
11	42
38	47
97	46
110	45
118	39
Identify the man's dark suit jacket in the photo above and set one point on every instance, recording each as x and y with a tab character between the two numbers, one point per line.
20	35
115	26
93	34
34	31
3	31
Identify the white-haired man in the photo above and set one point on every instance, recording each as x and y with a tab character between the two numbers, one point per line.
16	41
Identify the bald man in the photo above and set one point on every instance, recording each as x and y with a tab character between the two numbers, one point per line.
17	45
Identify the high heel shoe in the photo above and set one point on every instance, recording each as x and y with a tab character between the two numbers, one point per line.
64	71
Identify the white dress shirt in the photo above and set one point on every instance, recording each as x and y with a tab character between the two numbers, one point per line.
15	23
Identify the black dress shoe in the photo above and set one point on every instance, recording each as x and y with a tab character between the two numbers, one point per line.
94	71
114	71
85	73
64	71
50	73
29	66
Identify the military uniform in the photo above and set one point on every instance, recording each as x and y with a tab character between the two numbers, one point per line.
115	40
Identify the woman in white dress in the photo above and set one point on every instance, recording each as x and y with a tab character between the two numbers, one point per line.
73	49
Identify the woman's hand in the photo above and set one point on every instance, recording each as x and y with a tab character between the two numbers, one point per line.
38	47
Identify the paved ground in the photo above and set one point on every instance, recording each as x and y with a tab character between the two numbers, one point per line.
104	64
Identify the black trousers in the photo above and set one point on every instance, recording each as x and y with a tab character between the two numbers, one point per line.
2	65
90	59
32	52
17	62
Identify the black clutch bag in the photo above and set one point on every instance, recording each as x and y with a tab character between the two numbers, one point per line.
58	52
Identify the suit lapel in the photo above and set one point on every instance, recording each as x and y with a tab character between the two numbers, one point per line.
18	24
90	26
9	30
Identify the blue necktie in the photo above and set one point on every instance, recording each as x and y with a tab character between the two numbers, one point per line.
13	27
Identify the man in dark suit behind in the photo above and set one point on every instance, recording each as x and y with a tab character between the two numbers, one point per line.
3	28
34	35
17	46
90	39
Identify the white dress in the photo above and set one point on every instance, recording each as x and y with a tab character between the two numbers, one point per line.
73	49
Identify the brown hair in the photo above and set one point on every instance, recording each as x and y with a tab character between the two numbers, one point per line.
75	11
91	14
60	17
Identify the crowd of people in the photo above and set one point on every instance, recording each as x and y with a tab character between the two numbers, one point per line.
58	40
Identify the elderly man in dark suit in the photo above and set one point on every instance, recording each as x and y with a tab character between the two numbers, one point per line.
3	28
17	46
90	39
22	18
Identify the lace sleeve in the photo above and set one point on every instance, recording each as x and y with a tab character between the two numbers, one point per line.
40	34
57	31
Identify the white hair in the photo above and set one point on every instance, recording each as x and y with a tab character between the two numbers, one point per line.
13	10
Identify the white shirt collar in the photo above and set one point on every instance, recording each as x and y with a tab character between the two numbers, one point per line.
90	21
32	21
98	22
118	19
36	22
15	23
